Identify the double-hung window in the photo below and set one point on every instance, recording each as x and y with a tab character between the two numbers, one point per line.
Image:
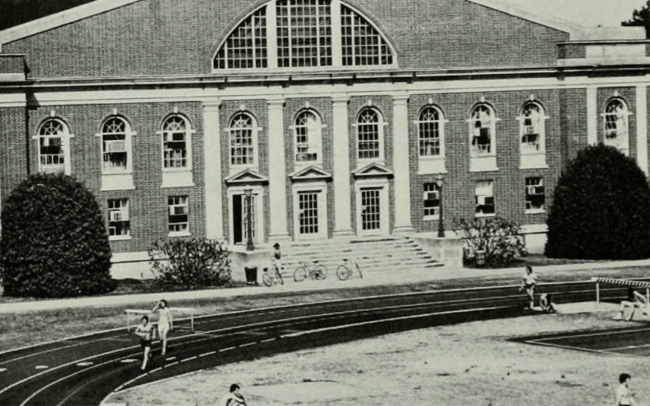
54	147
178	219
118	218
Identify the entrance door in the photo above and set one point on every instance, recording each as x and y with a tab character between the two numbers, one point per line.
371	220
240	219
308	215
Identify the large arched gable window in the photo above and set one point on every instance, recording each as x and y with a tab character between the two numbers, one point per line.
304	34
54	146
616	124
308	130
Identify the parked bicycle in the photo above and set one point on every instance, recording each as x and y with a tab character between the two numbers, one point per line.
273	277
314	271
346	269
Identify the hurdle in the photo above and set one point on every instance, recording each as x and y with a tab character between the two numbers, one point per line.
130	312
622	282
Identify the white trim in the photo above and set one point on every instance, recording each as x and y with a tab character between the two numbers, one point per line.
59	19
13	100
642	127
383	185
320	189
212	173
258	192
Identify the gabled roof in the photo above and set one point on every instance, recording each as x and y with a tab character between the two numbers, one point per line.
577	31
373	170
310	173
247	176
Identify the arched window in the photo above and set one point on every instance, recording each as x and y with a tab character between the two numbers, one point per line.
616	124
243	140
303	34
370	135
54	146
308	136
482	131
116	146
430	133
532	129
176	143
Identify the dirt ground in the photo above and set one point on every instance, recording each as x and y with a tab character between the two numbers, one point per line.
468	364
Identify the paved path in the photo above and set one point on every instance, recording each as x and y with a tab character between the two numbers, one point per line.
370	279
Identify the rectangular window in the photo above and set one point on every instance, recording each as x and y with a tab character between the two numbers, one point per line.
530	137
242	150
118	217
52	154
178	214
368	140
304	33
431	201
175	150
115	153
535	197
484	198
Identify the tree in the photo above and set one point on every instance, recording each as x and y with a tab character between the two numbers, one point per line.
600	208
54	241
640	18
498	239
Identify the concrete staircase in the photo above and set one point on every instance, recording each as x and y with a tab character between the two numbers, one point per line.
377	254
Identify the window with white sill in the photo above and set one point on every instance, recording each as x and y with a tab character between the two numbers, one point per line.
482	126
370	135
116	146
484	198
307	130
54	147
243	140
535	197
118	219
616	125
178	219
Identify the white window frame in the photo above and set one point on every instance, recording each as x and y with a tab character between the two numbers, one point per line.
64	136
622	139
122	179
486	161
255	130
383	185
428	164
336	43
183	201
484	189
177	176
314	138
319	188
119	214
533	189
532	158
380	135
434	194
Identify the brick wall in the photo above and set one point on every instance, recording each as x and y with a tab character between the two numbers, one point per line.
13	165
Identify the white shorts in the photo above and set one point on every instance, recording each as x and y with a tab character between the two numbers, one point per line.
163	328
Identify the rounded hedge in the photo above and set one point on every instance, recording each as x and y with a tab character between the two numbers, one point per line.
54	241
600	208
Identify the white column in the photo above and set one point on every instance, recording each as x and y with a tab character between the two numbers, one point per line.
592	115
401	167
337	47
277	171
212	174
341	141
642	127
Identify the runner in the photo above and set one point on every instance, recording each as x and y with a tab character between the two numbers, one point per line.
165	322
623	394
146	333
234	398
635	300
528	282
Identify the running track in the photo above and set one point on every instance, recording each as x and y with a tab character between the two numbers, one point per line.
82	371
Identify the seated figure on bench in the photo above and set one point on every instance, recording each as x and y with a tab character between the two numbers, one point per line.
634	301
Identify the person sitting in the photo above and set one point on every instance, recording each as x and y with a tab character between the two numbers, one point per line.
635	300
233	398
546	303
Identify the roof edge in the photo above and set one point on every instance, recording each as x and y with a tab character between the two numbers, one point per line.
59	19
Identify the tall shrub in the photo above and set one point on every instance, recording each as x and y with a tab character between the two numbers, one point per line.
600	208
54	241
498	239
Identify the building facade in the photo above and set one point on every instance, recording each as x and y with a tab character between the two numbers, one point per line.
337	117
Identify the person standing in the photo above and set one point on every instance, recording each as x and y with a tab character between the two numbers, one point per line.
234	397
276	256
165	322
146	333
528	283
623	394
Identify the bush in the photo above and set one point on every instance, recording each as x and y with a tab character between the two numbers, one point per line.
54	241
498	238
600	208
190	263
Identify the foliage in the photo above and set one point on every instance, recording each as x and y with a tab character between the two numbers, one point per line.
192	263
54	241
499	238
640	18
600	208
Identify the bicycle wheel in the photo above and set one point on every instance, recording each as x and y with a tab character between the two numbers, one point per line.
300	274
342	272
266	279
321	272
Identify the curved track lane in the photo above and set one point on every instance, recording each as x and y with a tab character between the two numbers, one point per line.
82	371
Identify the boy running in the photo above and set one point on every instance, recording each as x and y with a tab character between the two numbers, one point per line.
146	333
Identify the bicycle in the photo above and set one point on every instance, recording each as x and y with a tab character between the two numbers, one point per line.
345	270
275	278
314	270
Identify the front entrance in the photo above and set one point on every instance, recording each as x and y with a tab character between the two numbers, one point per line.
310	211
372	209
239	216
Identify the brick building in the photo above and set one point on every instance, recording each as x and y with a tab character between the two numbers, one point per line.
337	115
